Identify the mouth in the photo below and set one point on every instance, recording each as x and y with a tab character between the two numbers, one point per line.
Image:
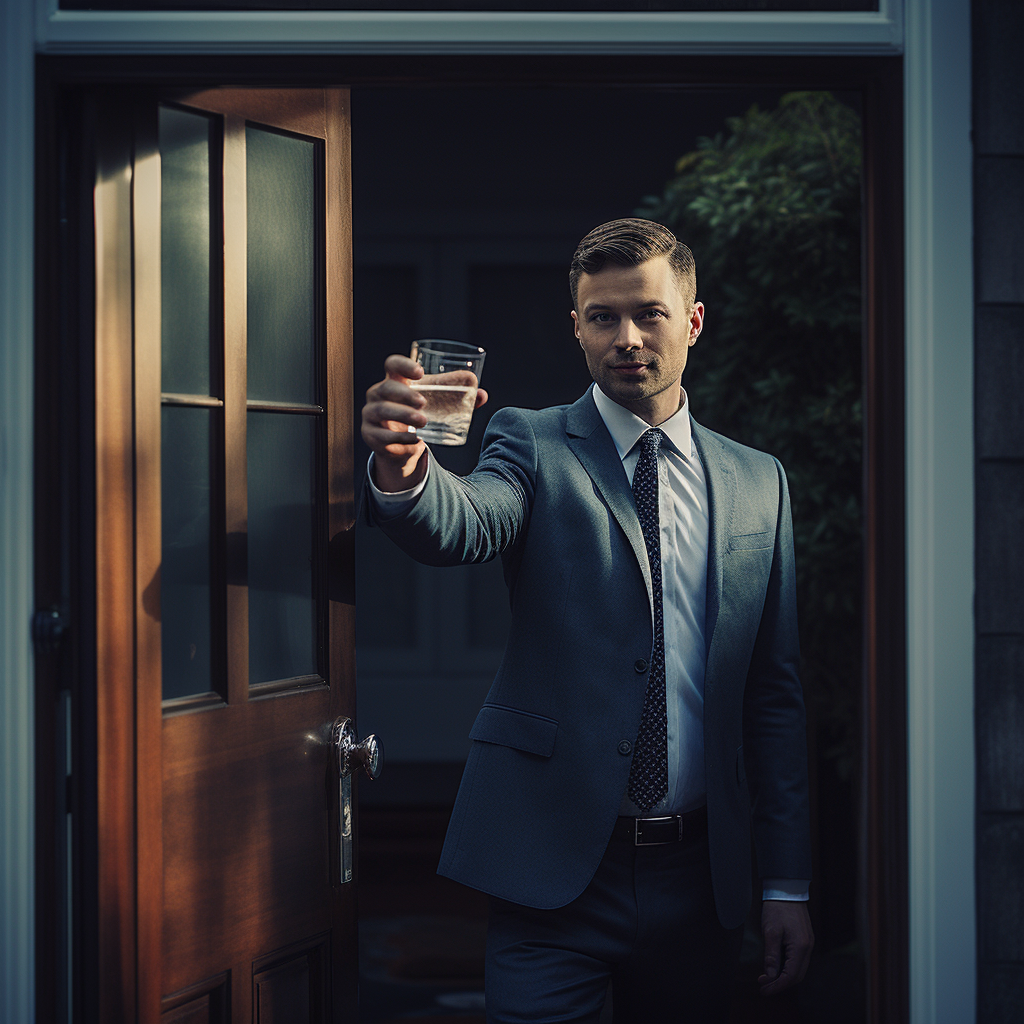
629	369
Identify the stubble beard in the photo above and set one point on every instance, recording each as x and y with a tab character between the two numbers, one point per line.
639	397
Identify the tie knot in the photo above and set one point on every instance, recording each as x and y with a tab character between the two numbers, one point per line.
650	441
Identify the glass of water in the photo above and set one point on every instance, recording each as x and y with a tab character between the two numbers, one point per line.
451	376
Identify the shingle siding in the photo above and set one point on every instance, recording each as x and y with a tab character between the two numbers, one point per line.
998	238
1000	993
999	546
999	380
999	725
998	83
998	136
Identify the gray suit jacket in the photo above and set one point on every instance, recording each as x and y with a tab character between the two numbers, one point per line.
546	771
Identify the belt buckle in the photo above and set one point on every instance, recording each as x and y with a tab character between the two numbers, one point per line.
638	839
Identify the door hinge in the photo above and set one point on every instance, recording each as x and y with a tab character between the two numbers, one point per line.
49	627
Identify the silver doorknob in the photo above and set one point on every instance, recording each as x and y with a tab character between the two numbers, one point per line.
352	754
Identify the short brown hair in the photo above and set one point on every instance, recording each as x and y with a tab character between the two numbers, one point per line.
628	242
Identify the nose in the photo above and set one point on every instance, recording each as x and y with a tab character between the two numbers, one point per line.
629	336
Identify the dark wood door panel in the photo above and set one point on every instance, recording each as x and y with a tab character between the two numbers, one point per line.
206	1002
291	986
246	842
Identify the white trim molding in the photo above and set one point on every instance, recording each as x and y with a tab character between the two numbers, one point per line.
939	420
17	747
717	32
940	511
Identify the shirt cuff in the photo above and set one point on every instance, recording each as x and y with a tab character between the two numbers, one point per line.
785	889
394	502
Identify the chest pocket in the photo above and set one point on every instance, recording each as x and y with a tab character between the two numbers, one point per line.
520	730
752	541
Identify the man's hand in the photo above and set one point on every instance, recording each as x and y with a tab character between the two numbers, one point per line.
392	408
788	941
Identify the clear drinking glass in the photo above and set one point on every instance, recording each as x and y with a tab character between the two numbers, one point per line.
451	376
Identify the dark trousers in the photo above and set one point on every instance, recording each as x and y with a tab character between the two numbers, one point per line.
646	922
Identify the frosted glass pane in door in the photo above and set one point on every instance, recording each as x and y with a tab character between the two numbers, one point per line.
282	262
282	610
185	140
185	573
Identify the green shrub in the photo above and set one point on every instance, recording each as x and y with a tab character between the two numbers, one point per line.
772	212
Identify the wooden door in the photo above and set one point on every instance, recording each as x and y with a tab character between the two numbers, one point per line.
224	574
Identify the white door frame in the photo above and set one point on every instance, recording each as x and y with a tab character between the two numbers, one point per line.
468	31
934	36
17	720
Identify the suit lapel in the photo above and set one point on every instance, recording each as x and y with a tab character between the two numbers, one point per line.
590	442
721	481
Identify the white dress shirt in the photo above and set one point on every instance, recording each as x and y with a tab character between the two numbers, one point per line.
683	524
684	527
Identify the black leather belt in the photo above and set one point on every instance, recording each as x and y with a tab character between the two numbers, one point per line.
654	831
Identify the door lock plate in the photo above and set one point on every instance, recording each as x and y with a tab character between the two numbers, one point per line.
350	755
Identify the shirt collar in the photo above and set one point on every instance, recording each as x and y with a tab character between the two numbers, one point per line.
626	427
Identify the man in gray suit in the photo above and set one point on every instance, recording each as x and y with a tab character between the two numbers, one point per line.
647	720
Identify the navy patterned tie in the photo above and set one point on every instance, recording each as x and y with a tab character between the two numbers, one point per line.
648	775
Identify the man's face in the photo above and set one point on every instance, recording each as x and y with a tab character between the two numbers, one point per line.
636	328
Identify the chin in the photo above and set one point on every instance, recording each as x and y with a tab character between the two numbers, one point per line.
625	388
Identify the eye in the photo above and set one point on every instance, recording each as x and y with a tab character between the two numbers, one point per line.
601	318
651	314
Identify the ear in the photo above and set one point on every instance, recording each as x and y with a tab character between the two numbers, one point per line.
575	324
696	321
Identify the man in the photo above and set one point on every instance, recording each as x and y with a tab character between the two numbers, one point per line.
647	717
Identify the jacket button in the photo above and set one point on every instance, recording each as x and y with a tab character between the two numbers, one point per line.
625	747
640	665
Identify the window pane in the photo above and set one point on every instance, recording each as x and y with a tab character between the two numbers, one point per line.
185	572
185	141
280	172
282	609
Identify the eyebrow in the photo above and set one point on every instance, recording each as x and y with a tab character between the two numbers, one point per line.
591	307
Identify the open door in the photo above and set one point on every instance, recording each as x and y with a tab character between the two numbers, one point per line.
224	509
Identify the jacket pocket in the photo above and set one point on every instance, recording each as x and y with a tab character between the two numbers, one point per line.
520	730
749	541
